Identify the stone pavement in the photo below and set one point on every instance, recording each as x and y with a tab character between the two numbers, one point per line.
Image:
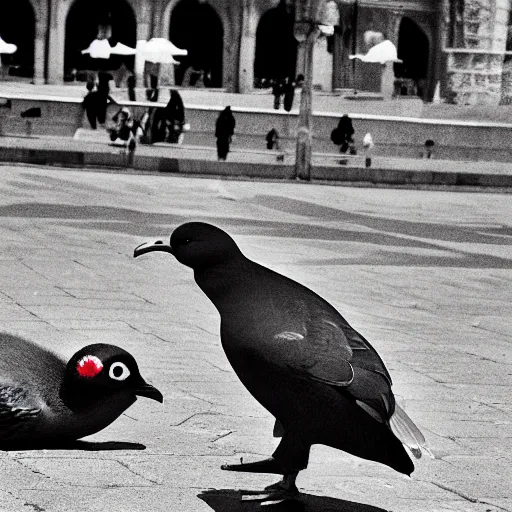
426	276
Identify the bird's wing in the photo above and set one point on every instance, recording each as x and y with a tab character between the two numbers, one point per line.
310	341
324	347
17	408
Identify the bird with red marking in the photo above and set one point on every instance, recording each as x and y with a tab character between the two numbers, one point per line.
44	401
322	380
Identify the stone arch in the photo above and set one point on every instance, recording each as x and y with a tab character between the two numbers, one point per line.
86	19
19	28
195	25
414	48
276	47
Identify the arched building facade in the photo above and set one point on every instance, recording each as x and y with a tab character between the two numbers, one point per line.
465	46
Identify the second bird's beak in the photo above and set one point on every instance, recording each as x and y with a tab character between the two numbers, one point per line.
149	391
155	245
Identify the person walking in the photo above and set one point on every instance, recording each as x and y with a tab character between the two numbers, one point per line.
174	113
224	131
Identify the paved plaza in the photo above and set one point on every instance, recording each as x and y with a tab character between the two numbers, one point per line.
426	276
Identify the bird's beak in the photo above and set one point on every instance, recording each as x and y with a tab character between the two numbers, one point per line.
149	391
155	245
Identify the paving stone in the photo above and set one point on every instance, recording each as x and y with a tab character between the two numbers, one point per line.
425	276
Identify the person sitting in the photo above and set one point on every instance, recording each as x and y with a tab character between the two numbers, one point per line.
124	128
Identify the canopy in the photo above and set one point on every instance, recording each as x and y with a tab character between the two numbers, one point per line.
160	50
382	52
7	47
122	49
101	49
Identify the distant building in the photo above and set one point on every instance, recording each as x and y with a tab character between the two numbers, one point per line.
464	45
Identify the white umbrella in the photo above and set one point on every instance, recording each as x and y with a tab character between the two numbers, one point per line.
122	49
7	47
101	49
382	52
160	50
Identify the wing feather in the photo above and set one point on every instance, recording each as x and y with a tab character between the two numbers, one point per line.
18	409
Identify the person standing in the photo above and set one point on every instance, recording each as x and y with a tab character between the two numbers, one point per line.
89	103
151	75
277	91
130	82
224	131
103	98
289	94
174	113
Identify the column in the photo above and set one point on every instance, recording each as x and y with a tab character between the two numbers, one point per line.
39	50
387	83
301	58
57	21
337	58
247	47
232	16
143	31
303	148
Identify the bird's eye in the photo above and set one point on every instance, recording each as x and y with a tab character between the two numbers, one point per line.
186	241
119	371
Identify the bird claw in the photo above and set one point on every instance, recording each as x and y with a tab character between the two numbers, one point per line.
279	491
261	466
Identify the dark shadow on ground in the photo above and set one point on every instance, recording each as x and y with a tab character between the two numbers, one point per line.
87	446
374	230
229	500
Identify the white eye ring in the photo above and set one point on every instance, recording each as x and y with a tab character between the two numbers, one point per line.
125	372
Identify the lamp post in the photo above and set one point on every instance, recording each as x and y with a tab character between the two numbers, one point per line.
306	31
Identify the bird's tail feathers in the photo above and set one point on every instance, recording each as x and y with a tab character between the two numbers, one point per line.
405	429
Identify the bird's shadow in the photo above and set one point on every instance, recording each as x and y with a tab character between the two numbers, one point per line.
87	446
230	500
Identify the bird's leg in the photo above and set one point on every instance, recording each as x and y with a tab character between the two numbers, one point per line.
290	457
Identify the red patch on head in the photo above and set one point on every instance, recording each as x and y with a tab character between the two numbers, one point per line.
89	366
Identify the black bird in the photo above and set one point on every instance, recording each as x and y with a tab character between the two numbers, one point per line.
322	381
45	402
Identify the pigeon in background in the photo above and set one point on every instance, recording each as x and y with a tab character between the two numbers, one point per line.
322	381
44	402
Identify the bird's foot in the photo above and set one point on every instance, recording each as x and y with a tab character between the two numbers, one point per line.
280	491
260	466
